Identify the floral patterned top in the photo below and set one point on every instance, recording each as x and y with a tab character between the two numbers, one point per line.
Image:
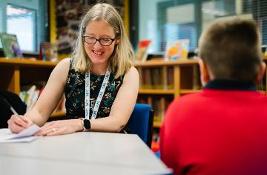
74	93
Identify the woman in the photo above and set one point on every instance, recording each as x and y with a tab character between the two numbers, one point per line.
99	82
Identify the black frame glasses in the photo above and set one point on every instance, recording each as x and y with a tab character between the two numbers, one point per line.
102	41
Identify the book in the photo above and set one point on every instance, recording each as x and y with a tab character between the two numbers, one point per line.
141	54
170	78
196	78
177	49
156	78
10	45
48	51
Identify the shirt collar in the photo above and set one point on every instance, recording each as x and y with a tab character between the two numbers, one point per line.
230	85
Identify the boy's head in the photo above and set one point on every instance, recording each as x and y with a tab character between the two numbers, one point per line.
230	49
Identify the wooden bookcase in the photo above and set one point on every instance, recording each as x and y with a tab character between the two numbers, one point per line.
184	78
162	81
17	72
171	79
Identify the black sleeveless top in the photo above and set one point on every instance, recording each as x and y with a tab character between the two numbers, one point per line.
74	93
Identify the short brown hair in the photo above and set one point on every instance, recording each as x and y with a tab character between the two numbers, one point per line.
231	49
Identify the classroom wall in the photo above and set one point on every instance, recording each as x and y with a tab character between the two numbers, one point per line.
148	21
39	5
32	4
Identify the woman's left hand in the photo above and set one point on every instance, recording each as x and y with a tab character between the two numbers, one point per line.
60	127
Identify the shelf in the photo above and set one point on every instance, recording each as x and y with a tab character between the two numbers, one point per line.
161	62
157	91
188	91
158	63
58	114
27	62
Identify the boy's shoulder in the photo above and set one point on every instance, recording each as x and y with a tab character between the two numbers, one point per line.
189	98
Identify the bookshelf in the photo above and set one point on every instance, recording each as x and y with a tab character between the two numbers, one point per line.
172	79
17	72
162	81
175	79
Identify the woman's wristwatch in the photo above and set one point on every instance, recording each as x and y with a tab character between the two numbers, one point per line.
86	124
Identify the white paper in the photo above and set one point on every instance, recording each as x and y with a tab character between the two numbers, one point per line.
25	135
19	140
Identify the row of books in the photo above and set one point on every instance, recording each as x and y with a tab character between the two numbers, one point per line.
163	78
156	78
30	94
11	48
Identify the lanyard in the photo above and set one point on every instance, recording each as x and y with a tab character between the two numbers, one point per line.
99	97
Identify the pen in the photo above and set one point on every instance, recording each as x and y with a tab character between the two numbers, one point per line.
13	110
11	107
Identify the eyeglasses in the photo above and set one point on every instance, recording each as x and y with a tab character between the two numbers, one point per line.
102	41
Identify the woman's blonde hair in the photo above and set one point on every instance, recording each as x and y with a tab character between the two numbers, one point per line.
122	58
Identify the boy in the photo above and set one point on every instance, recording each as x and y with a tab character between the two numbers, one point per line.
222	129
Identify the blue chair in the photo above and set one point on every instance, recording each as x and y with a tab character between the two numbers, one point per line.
141	122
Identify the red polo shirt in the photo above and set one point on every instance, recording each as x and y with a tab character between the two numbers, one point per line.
221	130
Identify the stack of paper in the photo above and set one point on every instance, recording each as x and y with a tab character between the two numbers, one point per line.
26	135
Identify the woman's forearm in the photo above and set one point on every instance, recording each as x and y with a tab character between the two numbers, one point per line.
36	117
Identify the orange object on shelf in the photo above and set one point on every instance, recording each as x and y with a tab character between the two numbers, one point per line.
155	146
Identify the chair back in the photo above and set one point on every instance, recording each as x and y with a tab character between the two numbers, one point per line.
141	122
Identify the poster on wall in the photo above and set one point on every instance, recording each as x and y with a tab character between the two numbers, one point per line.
68	17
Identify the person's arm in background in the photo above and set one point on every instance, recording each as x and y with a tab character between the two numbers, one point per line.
122	107
47	101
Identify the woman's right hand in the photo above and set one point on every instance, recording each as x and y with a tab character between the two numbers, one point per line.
18	123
